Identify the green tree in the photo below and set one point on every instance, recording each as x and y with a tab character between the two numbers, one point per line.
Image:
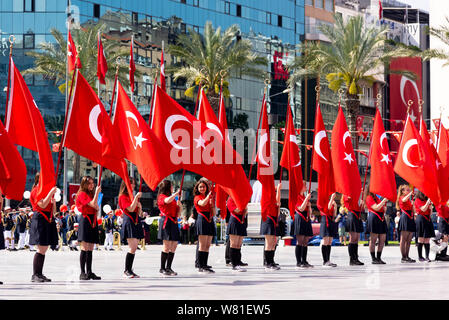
212	57
355	54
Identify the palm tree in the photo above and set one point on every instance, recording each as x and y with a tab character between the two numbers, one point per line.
355	55
50	60
210	58
442	33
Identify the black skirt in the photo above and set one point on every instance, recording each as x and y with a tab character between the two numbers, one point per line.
406	223
353	222
86	232
424	227
237	228
375	225
443	226
301	227
328	227
203	227
42	232
171	230
130	229
268	227
2	238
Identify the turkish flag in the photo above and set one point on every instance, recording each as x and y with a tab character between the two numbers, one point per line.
220	195
382	180
414	164
132	65
163	86
141	145
322	162
72	54
195	148
13	171
346	170
443	154
265	168
89	131
440	171
102	65
207	116
291	160
26	127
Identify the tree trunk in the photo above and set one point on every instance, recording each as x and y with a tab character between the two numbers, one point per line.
214	101
353	109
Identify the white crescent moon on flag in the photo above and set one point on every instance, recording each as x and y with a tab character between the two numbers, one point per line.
382	138
319	136
293	139
215	128
131	115
93	122
407	146
169	124
345	136
263	140
404	80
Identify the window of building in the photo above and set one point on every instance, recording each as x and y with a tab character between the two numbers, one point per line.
196	29
238	12
268	18
238	103
135	18
227	8
28	5
329	5
279	21
319	4
183	28
96	10
309	2
196	3
28	41
183	1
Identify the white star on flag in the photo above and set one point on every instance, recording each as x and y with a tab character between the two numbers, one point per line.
348	157
200	142
139	140
412	116
385	158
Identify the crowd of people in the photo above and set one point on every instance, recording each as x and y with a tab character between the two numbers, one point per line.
41	226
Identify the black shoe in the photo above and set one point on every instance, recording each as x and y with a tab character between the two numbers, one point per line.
440	257
242	264
71	249
428	260
273	267
84	276
228	264
410	260
44	277
37	278
376	261
404	260
171	272
128	274
164	272
205	270
93	276
135	275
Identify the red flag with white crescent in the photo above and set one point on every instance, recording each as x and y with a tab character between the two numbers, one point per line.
72	54
414	165
346	171
26	127
443	154
291	160
141	145
382	181
322	162
89	131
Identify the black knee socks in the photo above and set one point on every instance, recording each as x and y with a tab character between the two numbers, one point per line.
202	258
326	253
83	257
89	262
234	253
298	254
129	261
427	249
420	245
171	255
304	254
227	251
38	263
164	256
269	256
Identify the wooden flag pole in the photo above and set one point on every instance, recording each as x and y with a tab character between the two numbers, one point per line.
317	89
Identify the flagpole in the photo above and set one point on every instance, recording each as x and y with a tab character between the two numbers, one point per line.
257	131
317	89
64	175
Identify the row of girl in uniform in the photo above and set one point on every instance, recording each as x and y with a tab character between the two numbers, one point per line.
43	231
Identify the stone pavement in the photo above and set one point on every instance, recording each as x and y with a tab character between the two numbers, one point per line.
368	282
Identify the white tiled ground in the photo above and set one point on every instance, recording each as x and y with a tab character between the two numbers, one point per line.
388	281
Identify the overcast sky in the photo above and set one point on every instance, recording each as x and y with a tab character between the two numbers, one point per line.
420	4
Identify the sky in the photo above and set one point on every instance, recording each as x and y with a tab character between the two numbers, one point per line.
420	4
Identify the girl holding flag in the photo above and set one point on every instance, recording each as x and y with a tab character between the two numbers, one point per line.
376	225
354	226
168	227
328	230
424	225
87	203
302	228
43	231
407	224
131	228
